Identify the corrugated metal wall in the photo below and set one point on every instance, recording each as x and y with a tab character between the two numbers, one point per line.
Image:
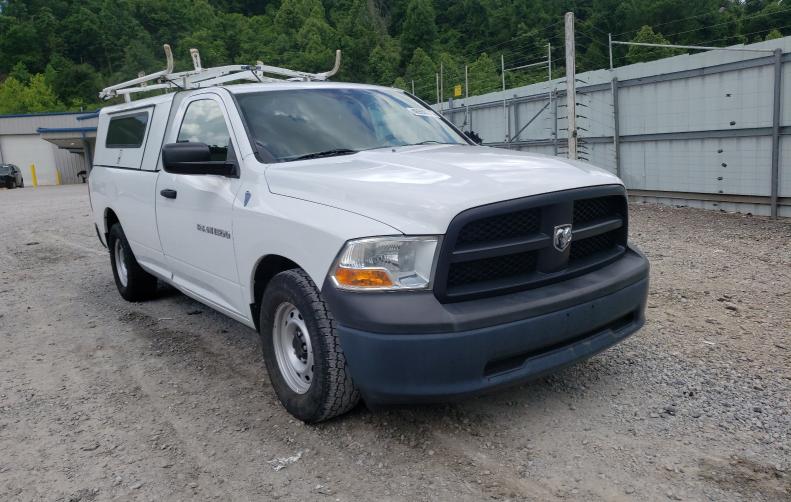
692	124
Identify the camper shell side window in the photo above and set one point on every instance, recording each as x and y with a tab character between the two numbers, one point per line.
122	137
127	131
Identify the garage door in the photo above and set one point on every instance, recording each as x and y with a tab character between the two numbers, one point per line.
24	150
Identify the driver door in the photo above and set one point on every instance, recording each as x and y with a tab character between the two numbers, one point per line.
194	212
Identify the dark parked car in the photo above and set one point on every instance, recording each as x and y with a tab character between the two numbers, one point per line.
11	176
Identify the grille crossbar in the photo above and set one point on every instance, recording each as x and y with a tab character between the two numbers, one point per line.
508	246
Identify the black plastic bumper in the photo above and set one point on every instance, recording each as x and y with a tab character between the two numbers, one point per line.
404	348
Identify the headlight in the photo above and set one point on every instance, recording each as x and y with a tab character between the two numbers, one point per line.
386	263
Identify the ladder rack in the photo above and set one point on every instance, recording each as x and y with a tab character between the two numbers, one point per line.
200	77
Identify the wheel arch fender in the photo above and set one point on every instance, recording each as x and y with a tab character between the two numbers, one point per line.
264	269
110	218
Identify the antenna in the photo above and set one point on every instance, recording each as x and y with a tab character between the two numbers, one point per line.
200	77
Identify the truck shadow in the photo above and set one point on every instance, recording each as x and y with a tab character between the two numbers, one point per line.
190	335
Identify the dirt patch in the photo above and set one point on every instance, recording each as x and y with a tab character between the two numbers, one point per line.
748	477
104	399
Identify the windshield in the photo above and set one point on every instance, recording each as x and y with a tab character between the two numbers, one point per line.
5	169
306	123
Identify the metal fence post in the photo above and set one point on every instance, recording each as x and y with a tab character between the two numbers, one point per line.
571	86
467	121
515	106
616	128
555	116
439	103
507	122
441	84
778	63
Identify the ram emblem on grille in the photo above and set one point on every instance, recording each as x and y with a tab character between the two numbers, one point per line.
562	237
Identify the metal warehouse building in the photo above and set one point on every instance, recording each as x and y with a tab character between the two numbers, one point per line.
49	148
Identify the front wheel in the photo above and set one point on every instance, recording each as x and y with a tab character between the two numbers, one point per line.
22	183
303	356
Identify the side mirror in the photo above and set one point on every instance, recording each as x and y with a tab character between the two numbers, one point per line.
194	158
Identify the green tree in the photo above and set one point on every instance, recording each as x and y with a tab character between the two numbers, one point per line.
384	61
420	28
483	75
452	73
638	54
315	41
400	83
20	73
302	36
360	30
257	39
773	35
422	70
74	84
80	46
36	96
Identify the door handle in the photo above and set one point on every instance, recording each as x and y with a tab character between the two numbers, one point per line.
168	193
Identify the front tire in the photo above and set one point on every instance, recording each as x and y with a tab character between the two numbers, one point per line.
134	283
22	183
303	356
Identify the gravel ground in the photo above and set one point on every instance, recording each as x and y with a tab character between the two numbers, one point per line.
103	399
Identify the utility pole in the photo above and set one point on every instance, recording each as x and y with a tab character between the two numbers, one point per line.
571	86
505	102
609	45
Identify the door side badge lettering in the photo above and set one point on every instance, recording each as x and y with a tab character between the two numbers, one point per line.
247	196
219	232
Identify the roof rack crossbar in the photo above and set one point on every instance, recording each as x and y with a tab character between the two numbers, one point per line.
200	77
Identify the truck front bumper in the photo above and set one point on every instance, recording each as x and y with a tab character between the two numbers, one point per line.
408	347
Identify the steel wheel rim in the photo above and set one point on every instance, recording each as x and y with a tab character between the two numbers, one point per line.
293	349
120	263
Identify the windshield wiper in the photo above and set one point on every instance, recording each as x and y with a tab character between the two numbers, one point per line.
432	142
325	153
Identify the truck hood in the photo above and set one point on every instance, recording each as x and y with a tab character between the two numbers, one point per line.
419	189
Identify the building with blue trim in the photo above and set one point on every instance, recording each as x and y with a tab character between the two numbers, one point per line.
58	145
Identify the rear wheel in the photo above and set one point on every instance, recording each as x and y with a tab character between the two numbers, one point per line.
134	283
303	356
21	183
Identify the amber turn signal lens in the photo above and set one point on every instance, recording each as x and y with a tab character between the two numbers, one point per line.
362	278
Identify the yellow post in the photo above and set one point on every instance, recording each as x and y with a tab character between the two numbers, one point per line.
33	174
57	176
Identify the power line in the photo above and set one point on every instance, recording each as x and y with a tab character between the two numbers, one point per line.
727	22
724	23
523	35
765	30
580	32
668	22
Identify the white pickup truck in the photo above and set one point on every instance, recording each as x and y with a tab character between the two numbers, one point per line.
379	253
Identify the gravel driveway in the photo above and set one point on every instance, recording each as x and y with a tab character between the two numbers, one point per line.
103	399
